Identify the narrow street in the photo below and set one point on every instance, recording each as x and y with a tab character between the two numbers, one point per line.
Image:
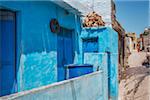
136	85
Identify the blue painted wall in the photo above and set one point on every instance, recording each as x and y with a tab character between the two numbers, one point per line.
107	46
36	44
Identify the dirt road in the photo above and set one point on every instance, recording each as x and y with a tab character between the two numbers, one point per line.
136	85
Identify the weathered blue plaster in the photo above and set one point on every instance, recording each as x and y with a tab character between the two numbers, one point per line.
36	44
108	44
41	70
106	38
114	76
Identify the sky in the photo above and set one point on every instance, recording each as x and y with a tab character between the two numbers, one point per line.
133	15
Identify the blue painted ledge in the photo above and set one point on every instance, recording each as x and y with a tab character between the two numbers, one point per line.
94	28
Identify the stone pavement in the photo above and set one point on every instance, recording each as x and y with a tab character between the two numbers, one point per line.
136	85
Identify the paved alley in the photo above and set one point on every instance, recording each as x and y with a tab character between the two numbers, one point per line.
136	85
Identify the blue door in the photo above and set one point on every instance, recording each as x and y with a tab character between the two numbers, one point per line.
7	53
64	52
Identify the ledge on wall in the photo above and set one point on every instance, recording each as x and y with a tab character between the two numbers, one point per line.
94	28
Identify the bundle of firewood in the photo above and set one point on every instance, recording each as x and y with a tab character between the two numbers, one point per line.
93	20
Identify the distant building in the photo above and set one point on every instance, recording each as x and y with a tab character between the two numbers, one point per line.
128	49
145	36
133	42
130	46
139	44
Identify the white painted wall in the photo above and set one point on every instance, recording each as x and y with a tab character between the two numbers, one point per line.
102	7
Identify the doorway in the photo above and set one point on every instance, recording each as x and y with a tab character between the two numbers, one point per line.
64	52
7	52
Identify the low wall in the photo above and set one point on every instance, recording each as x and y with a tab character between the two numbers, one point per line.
86	87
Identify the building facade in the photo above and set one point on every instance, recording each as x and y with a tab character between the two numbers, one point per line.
36	48
43	37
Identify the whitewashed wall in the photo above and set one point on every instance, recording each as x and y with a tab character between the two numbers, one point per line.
102	7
